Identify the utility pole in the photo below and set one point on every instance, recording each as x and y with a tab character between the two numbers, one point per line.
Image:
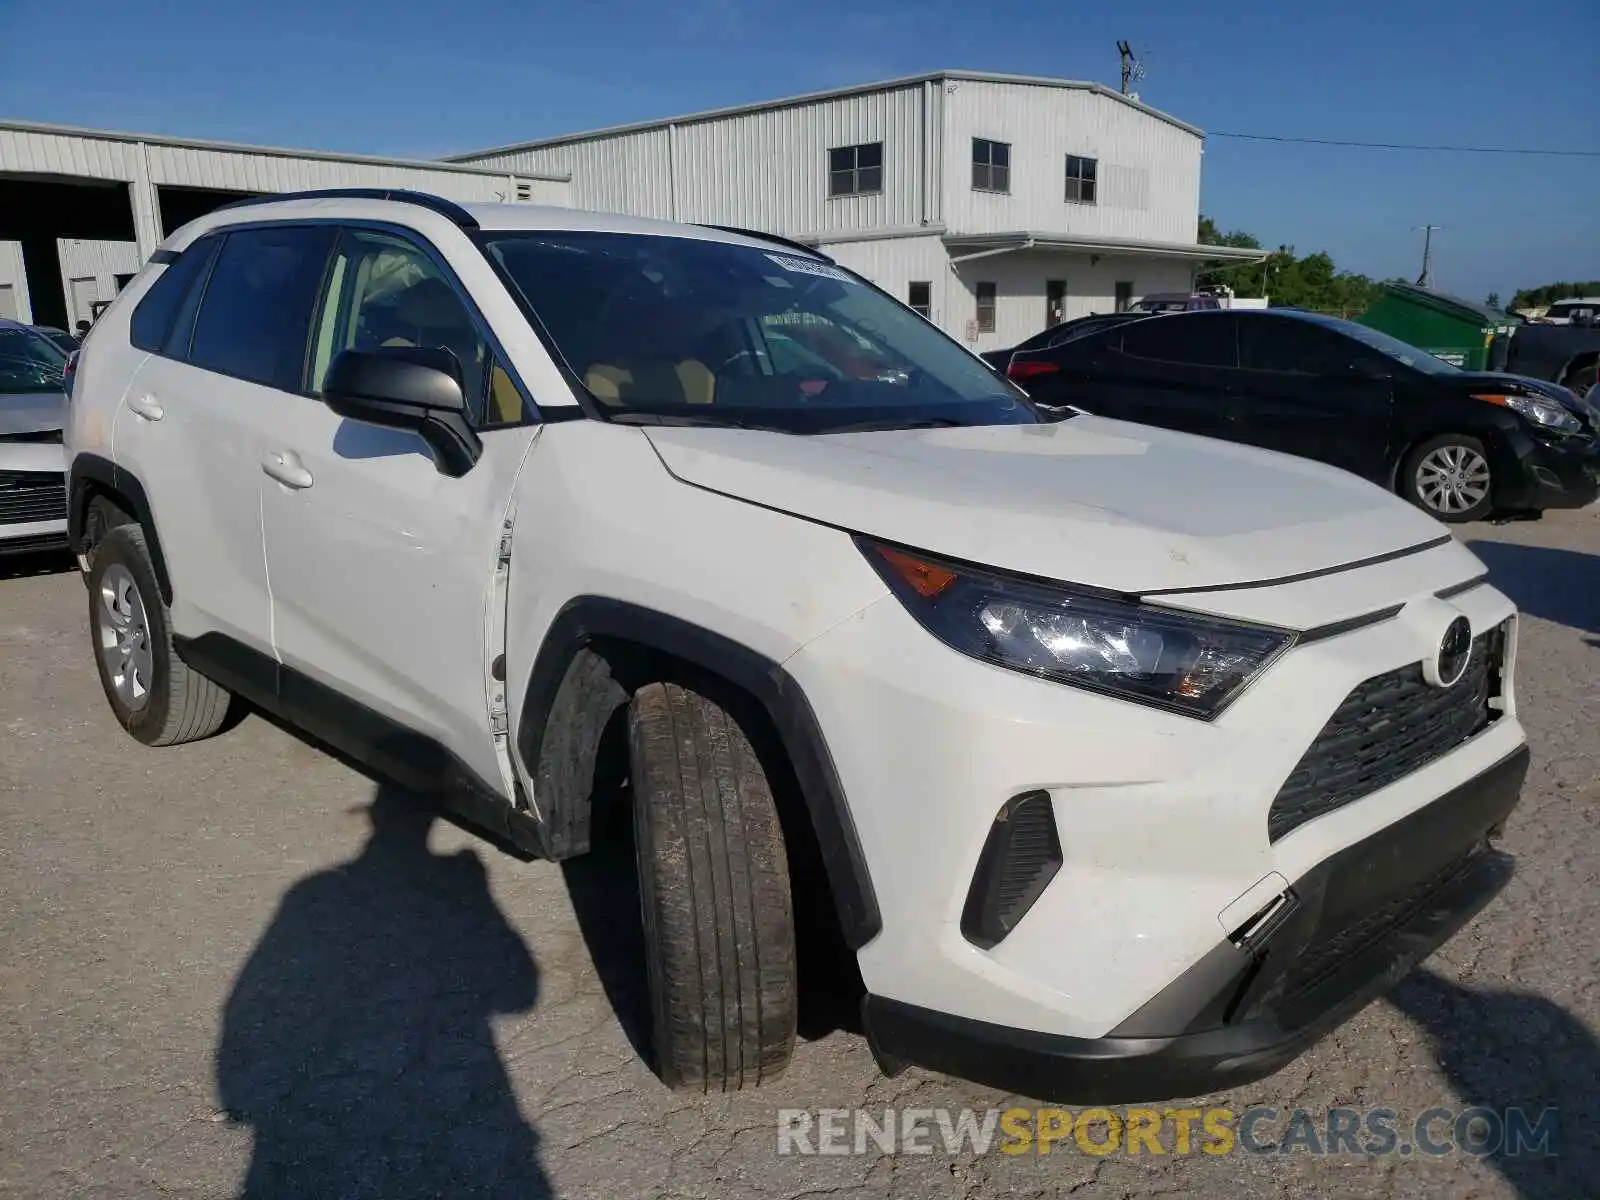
1425	280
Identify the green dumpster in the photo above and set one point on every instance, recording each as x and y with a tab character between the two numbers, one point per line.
1472	336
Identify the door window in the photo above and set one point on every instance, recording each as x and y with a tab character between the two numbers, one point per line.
384	291
1294	347
1197	340
257	307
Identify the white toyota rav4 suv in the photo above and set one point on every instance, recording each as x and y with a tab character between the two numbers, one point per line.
1132	761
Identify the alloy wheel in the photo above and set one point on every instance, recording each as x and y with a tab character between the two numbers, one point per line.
123	630
1453	479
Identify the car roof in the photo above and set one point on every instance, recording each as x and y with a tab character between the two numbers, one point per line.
1576	300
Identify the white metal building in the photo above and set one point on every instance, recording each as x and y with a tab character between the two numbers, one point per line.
996	204
100	202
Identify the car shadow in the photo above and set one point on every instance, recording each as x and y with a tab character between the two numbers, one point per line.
1505	1050
1558	585
356	1041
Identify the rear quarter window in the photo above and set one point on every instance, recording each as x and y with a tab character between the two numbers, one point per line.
154	315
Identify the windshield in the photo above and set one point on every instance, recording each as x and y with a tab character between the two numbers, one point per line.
29	362
693	331
1402	352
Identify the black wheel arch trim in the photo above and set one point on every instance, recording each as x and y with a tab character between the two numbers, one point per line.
586	619
90	469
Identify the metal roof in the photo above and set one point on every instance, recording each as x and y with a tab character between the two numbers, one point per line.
1024	239
156	139
833	94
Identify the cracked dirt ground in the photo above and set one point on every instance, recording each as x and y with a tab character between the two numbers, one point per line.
168	1018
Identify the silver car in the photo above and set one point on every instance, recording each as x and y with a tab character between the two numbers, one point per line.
33	493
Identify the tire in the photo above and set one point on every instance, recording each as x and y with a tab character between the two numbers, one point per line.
714	894
155	695
1449	477
1583	379
100	518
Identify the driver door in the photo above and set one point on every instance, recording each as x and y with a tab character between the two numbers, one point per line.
380	565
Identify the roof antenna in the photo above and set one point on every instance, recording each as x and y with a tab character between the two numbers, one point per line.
1132	69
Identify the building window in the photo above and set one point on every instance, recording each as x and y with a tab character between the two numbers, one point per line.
1080	179
1055	302
855	170
920	297
1124	293
991	166
985	307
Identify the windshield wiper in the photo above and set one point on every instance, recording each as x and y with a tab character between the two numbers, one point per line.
691	419
877	426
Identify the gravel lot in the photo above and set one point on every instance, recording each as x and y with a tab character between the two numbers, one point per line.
187	932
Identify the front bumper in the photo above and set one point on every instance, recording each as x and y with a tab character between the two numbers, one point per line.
1162	820
28	537
1362	920
1553	473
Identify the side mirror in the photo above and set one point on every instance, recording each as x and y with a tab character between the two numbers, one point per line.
407	387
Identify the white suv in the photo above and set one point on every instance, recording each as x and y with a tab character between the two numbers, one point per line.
1132	761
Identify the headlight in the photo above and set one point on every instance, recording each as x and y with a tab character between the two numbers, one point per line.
1182	662
1545	413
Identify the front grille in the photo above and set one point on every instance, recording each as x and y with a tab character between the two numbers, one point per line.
32	496
1387	727
1323	955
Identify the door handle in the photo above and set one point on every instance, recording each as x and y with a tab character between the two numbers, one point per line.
285	466
145	406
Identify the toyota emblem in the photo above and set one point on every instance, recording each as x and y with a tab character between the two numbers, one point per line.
1455	650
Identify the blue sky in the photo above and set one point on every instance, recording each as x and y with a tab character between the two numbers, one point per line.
423	78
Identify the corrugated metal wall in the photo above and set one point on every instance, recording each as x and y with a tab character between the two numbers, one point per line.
1020	281
1149	169
627	172
769	170
243	171
764	170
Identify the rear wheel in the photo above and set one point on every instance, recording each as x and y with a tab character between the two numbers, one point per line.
1584	378
714	893
1449	476
153	692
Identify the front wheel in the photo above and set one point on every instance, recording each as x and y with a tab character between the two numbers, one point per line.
714	893
1449	476
154	694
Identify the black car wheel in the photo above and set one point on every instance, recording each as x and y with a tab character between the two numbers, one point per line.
1449	476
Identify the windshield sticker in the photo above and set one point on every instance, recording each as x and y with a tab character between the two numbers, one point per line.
806	266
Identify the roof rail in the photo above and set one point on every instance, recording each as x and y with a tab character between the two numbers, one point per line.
759	236
445	208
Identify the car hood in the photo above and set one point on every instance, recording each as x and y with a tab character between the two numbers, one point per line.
1088	500
32	412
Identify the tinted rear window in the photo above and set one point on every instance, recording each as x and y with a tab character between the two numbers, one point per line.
152	318
1200	341
256	314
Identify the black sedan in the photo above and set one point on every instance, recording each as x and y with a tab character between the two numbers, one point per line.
1056	334
1460	444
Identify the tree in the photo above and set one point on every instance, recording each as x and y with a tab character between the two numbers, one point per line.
1492	299
1312	282
1540	297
